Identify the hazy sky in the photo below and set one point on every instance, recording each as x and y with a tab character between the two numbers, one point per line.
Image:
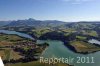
64	10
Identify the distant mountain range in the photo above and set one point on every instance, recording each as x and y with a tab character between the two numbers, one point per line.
50	23
35	23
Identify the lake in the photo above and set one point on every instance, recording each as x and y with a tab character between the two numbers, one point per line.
16	33
58	50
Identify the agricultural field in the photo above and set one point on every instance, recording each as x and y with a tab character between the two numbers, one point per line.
84	47
14	48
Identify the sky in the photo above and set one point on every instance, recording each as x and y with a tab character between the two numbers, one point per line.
63	10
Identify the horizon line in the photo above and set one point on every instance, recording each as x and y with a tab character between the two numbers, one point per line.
52	20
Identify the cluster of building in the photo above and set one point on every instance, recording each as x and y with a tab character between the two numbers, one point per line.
30	44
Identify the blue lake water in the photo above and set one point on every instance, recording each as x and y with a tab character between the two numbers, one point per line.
16	33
